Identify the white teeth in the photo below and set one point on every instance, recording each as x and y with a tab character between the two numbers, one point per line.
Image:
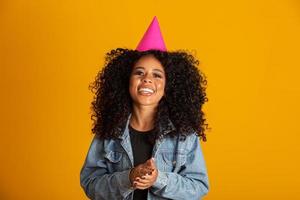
146	90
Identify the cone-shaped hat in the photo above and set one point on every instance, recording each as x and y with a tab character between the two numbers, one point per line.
152	38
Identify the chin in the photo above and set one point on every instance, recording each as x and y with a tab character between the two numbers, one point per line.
146	103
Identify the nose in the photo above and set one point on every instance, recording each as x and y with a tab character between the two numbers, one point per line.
147	79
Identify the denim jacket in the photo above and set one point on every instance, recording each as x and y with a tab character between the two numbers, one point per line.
181	168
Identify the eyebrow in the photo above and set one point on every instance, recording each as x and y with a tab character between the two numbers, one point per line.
153	69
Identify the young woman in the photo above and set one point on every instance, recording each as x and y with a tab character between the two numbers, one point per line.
147	122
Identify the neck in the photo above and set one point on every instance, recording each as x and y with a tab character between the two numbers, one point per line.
142	118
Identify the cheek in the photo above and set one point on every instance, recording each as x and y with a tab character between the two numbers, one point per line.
161	86
132	84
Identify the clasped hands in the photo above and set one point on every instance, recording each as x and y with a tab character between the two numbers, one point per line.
144	175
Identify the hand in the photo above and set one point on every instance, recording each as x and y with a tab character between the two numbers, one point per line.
148	179
141	170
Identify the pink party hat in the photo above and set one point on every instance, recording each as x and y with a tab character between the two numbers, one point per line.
152	38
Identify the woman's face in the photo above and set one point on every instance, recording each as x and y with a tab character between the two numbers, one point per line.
147	81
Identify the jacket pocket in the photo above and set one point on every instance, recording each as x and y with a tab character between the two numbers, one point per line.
114	161
173	161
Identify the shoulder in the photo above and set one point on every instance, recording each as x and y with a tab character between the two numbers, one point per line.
101	144
191	141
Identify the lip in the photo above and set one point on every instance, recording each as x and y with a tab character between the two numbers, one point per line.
146	86
145	94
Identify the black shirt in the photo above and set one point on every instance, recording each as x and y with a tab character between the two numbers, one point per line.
142	151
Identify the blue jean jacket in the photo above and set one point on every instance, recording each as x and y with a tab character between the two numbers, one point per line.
181	168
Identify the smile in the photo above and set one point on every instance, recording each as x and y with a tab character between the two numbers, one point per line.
146	91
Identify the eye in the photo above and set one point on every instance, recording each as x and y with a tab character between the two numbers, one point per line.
157	75
138	72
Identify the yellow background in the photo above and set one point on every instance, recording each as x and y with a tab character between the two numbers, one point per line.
51	50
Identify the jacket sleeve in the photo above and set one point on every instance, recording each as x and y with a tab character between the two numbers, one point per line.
95	179
190	183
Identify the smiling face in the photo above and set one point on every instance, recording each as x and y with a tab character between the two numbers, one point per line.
147	81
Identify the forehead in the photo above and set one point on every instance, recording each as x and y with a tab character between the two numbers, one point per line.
148	62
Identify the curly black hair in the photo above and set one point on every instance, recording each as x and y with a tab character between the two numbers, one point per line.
182	102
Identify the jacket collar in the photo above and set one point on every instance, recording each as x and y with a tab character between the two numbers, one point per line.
165	129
